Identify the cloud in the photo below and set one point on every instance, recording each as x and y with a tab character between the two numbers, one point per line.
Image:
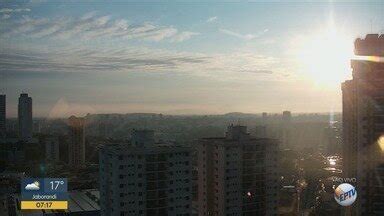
258	71
32	186
6	13
92	26
5	16
184	36
37	1
83	59
16	10
95	60
243	36
211	19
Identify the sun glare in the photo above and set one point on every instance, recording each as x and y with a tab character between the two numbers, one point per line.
380	141
325	57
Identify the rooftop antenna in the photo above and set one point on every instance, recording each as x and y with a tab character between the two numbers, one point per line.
1	83
371	26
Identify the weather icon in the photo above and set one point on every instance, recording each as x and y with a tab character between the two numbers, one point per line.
33	186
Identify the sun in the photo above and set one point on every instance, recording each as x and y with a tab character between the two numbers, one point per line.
324	57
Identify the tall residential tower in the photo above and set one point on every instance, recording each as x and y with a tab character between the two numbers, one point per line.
3	127
237	174
25	116
76	145
145	178
286	130
363	125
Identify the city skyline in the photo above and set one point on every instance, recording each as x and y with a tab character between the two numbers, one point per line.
191	108
73	58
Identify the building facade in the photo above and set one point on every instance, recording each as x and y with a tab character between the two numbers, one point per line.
237	174
363	125
264	119
3	127
52	151
286	130
145	178
76	145
25	116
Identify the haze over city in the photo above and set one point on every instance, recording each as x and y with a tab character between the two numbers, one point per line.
187	58
112	108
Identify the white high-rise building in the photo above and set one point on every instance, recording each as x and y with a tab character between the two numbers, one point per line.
145	178
25	116
237	174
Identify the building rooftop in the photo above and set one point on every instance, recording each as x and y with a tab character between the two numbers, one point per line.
371	45
129	149
236	133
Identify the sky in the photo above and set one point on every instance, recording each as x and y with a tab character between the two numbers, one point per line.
78	57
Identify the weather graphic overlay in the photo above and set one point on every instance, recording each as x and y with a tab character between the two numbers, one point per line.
44	193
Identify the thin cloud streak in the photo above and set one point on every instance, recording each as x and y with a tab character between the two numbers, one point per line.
184	36
258	71
211	19
5	16
131	59
92	26
17	10
6	13
243	36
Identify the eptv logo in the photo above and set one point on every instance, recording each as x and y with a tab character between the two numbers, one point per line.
345	194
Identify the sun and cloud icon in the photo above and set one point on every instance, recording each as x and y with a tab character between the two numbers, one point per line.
33	186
